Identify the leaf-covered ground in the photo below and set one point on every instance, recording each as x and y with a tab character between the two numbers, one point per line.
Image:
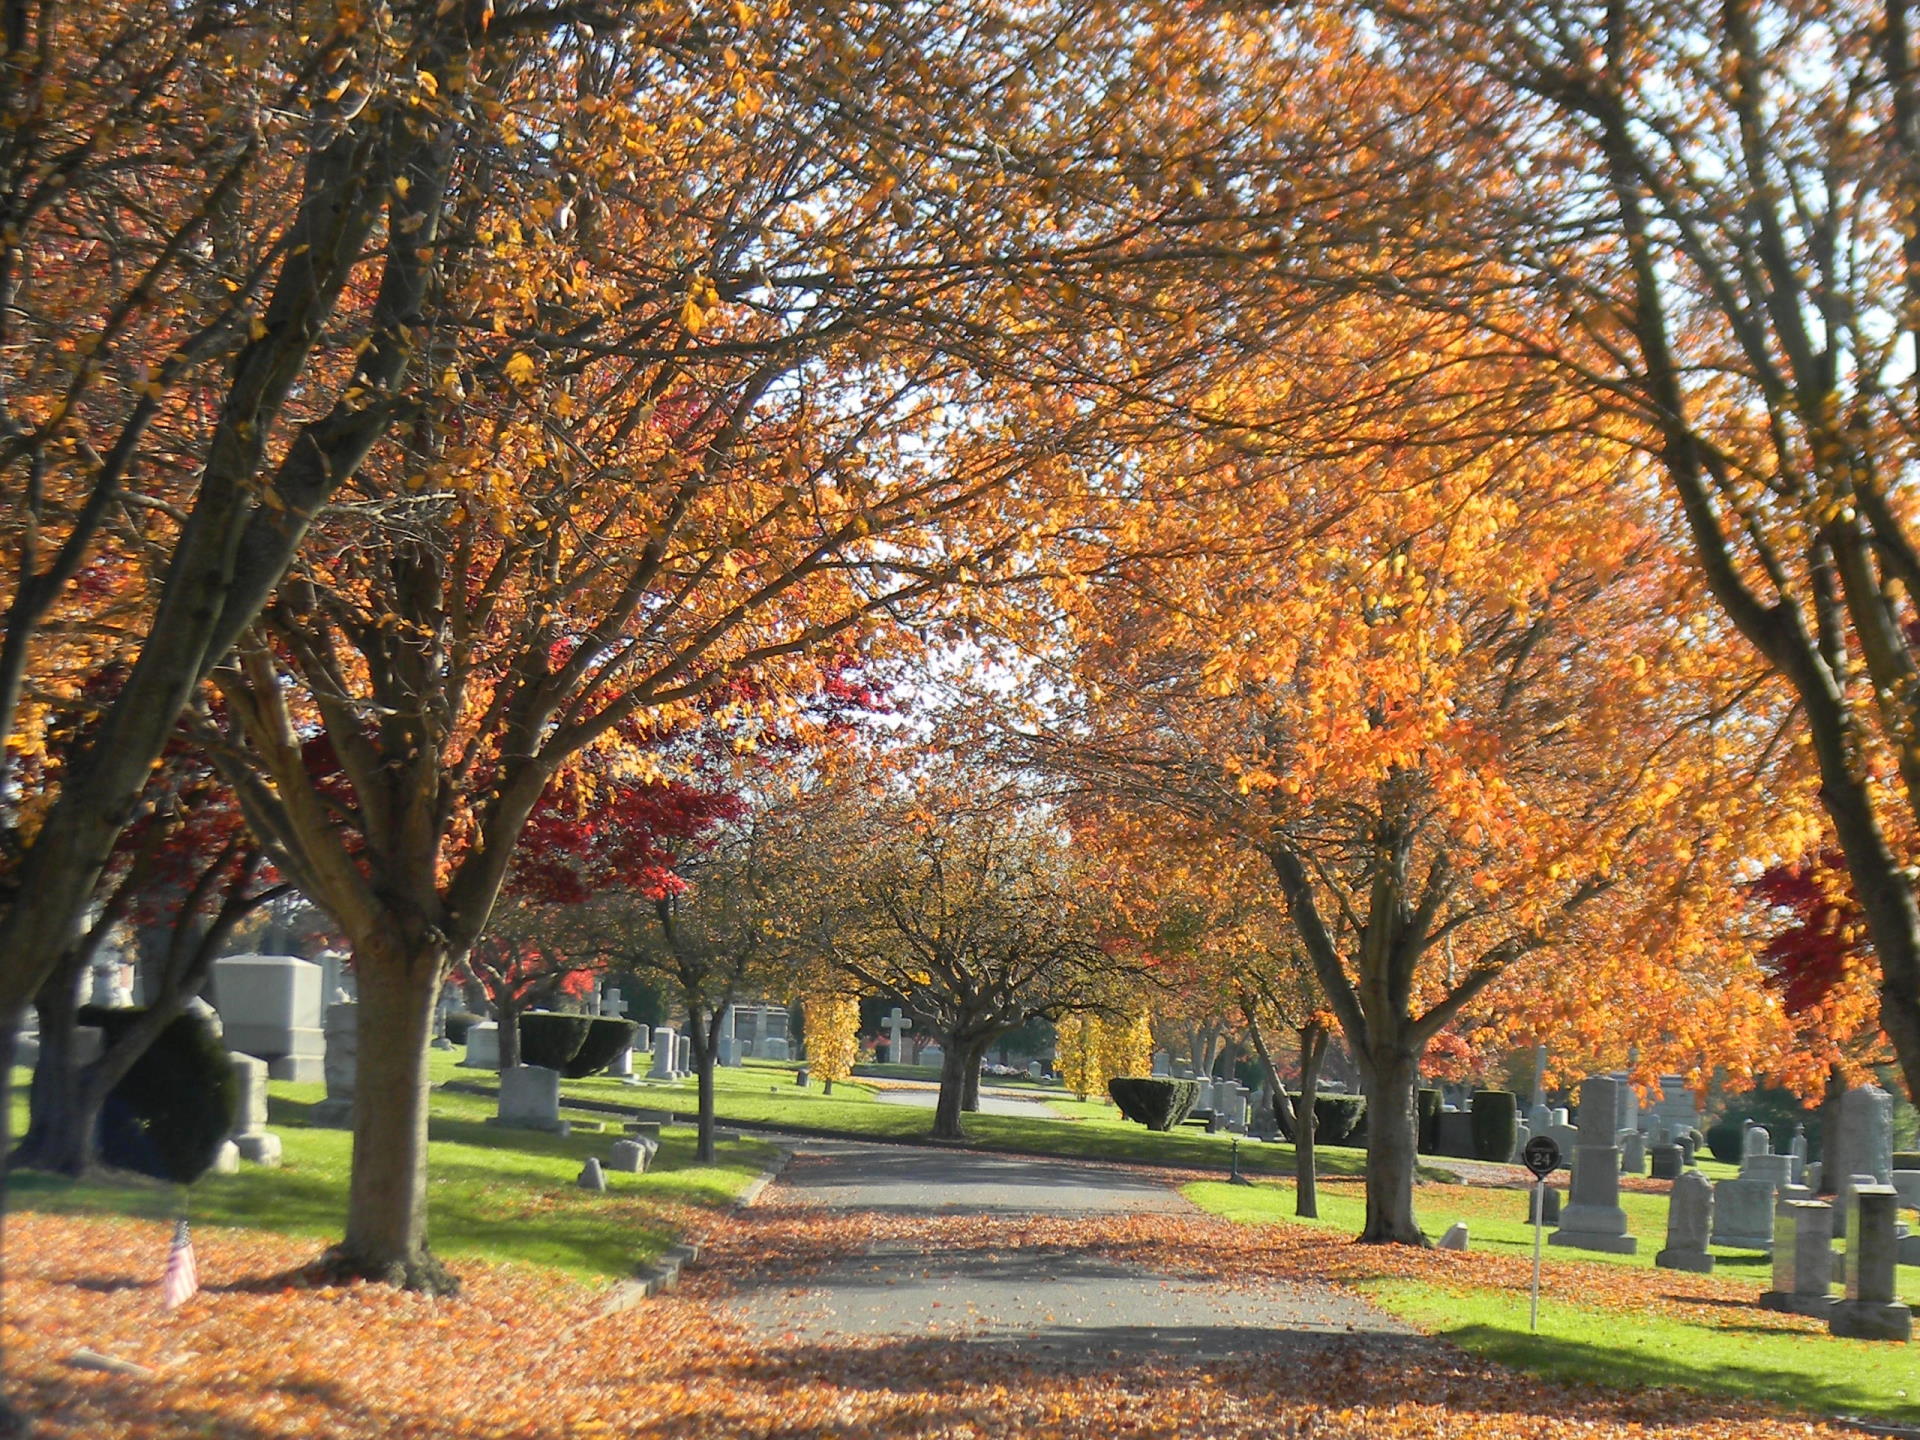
526	1353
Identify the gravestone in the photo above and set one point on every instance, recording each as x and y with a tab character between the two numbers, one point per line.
250	1136
1689	1222
933	1053
1162	1064
896	1025
1802	1256
1456	1236
1633	1153
666	1044
683	1056
530	1100
591	1176
775	1047
271	1007
340	1065
1549	1206
1236	1106
1665	1162
1861	1144
621	1066
803	1077
642	1039
628	1156
1593	1219
1743	1214
727	1050
1871	1310
1539	1119
483	1046
1797	1149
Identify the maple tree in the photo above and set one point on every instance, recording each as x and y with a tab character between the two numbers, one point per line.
969	911
1698	223
1443	749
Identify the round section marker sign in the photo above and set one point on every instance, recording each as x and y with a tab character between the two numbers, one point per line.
1541	1155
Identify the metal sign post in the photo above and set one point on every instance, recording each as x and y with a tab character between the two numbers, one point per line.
1542	1157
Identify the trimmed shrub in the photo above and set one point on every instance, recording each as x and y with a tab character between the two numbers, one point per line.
1428	1116
172	1111
460	1022
551	1040
1496	1124
1723	1140
1337	1118
607	1036
1155	1101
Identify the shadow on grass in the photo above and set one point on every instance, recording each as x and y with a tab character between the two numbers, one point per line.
1561	1358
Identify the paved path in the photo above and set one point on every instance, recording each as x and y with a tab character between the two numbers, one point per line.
988	1289
991	1102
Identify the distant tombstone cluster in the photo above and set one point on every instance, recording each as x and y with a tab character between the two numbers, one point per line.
1853	1239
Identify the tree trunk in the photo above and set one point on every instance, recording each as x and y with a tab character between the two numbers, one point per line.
1306	1121
970	1097
387	1201
953	1092
1393	1136
12	1423
1830	1127
507	1017
704	1040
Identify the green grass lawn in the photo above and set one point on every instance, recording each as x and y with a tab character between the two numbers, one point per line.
492	1193
1751	1352
763	1092
1496	1219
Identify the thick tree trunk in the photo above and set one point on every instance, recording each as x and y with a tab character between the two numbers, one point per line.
507	1017
1392	1147
970	1098
12	1423
1306	1175
386	1235
953	1092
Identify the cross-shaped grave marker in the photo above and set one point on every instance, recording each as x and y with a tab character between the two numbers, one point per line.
894	1024
612	1002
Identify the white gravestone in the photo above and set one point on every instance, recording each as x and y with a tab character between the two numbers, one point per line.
728	1049
270	1006
683	1056
1689	1222
1593	1219
483	1046
665	1045
896	1025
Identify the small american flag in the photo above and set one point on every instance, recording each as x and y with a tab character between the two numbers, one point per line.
182	1278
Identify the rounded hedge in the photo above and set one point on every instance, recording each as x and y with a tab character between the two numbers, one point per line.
1724	1139
172	1111
1157	1102
551	1040
606	1038
1496	1124
1429	1120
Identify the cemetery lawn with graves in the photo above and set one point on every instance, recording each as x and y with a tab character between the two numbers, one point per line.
492	1193
1704	1333
763	1092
